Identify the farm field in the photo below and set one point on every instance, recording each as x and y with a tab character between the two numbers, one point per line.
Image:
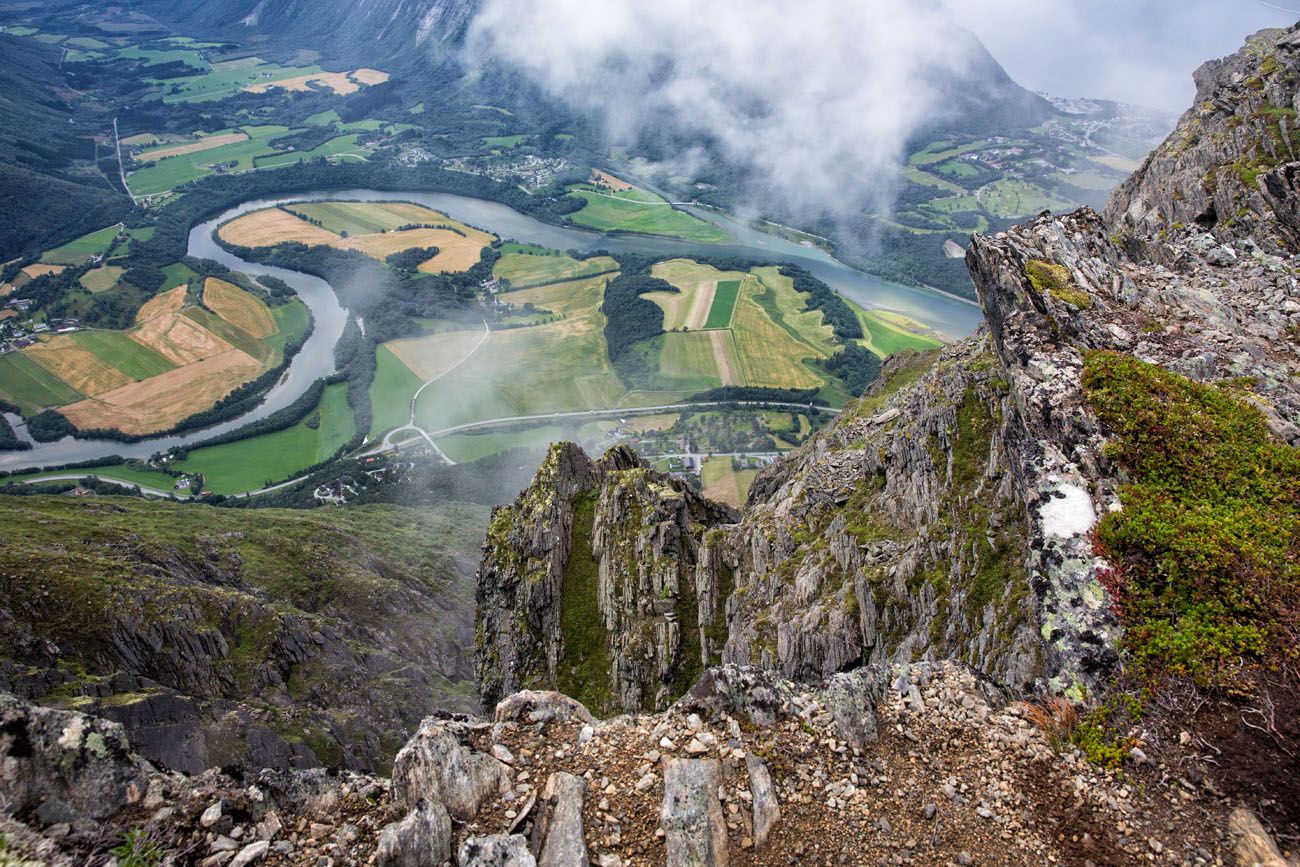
202	143
724	304
554	367
459	246
239	308
83	248
1016	198
344	147
178	273
696	361
227	78
390	392
342	83
698	283
635	210
102	279
239	155
888	333
31	387
724	484
525	269
248	464
118	472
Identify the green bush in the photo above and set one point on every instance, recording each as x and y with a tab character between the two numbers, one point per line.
1207	546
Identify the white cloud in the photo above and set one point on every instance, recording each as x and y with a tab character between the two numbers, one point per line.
1141	51
815	96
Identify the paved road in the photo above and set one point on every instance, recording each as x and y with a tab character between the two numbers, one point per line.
121	167
389	445
76	477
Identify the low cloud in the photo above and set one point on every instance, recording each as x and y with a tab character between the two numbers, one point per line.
817	98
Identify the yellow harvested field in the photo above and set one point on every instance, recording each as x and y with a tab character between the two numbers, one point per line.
179	339
83	370
203	144
644	423
273	226
769	356
8	312
434	354
342	83
381	245
369	76
576	298
605	179
159	402
165	304
40	270
1115	161
241	309
698	283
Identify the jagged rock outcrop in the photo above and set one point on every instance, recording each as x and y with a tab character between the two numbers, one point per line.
1230	167
597	581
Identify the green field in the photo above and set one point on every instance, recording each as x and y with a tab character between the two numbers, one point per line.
886	337
172	172
636	210
523	269
1016	198
152	57
355	218
78	251
324	118
118	472
31	387
464	448
177	273
686	361
221	83
390	392
87	42
724	304
504	141
292	319
246	465
939	151
344	146
117	349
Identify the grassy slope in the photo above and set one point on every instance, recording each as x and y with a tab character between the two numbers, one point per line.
390	392
638	211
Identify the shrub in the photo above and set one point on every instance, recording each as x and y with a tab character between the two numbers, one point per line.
1206	546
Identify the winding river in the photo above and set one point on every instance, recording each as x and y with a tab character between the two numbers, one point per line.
944	313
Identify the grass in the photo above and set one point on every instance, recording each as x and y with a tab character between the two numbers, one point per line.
885	338
504	141
1012	197
170	173
83	248
117	349
1054	280
525	269
636	210
324	118
471	447
291	321
246	465
102	279
584	668
177	273
1207	581
939	151
686	360
118	472
225	79
153	57
342	146
390	392
31	387
724	484
724	304
364	218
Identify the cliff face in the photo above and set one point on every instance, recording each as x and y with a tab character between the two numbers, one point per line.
598	581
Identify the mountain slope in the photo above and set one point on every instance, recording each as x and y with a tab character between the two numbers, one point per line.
267	638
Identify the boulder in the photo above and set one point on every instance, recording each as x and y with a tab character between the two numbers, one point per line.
560	826
538	706
766	809
694	827
423	838
434	767
498	850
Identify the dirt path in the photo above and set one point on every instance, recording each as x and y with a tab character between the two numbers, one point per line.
701	303
726	369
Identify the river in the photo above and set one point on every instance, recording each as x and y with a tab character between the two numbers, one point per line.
944	313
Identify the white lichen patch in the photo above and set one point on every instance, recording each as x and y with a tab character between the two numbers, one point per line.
1068	512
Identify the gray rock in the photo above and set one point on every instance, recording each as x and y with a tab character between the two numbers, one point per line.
435	767
421	839
560	825
251	854
766	809
498	850
851	699
695	830
532	706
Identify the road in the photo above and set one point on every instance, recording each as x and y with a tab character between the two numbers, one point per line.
411	425
121	167
76	477
389	445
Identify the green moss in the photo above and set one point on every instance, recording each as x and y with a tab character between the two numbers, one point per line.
584	667
1052	279
1208	578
